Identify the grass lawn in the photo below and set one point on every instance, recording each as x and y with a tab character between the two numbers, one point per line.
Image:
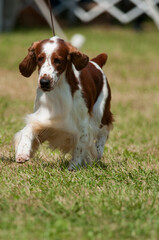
118	199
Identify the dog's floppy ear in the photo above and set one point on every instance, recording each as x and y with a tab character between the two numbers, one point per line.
79	59
28	65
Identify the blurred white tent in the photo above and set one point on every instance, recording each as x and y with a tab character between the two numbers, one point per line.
148	7
9	10
46	13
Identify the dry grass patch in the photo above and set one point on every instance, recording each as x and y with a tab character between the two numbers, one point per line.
15	86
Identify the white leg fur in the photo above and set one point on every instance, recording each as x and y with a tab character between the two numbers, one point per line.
23	143
79	152
100	143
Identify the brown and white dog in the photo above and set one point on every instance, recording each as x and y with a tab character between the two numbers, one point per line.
72	106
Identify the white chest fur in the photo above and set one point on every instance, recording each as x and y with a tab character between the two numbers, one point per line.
58	109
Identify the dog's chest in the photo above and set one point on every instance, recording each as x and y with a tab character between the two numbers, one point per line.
62	109
54	103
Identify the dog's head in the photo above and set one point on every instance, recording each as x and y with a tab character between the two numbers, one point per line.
51	56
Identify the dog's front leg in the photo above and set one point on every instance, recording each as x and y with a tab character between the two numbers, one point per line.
79	151
23	144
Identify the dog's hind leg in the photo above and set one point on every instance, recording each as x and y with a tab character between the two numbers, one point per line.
101	140
79	151
25	144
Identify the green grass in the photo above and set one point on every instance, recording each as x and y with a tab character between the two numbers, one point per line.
117	199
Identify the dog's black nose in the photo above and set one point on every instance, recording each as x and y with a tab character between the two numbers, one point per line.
45	83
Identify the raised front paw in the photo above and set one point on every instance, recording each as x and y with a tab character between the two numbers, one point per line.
21	158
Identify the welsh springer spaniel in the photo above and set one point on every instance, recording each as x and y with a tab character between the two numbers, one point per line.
72	106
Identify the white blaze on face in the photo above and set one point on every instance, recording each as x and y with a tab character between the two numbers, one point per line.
47	69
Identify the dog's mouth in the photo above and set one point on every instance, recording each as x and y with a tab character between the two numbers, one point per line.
46	89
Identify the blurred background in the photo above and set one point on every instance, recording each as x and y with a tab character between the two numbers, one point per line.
32	13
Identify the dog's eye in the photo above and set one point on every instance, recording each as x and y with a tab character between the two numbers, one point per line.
40	59
57	61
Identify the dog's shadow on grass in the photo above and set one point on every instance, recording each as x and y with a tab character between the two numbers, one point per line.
101	165
61	164
64	164
7	159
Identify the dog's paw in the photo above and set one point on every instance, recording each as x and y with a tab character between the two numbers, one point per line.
21	158
73	167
